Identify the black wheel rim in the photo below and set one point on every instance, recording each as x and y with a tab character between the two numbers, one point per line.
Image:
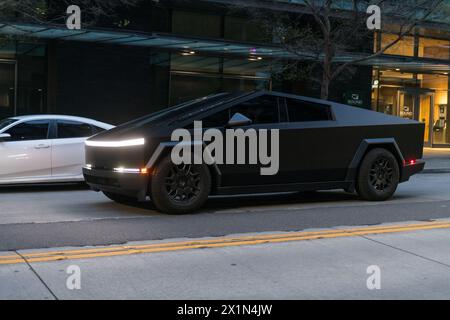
183	183
381	174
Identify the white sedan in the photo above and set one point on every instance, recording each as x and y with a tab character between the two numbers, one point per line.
44	148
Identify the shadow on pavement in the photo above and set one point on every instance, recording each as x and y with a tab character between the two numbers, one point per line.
43	187
231	202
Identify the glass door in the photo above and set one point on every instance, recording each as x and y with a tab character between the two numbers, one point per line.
418	105
7	88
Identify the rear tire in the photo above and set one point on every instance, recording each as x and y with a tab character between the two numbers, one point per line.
119	198
180	189
378	175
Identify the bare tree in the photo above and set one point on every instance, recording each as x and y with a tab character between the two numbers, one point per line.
323	33
44	12
54	11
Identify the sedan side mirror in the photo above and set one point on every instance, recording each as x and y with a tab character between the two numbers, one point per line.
238	120
4	136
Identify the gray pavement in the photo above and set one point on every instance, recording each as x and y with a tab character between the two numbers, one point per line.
55	217
413	265
437	160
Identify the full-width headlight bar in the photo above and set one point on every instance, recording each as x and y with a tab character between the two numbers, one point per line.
129	170
116	144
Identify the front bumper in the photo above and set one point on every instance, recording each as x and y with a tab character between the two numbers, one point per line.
128	184
411	169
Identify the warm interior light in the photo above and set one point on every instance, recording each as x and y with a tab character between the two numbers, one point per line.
144	171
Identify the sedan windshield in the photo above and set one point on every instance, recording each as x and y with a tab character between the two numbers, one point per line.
6	122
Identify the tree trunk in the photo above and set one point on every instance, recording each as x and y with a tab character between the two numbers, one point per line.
327	68
325	88
326	80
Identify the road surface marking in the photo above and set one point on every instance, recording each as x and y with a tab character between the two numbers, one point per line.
213	243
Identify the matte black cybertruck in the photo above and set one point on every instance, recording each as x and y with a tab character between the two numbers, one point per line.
322	146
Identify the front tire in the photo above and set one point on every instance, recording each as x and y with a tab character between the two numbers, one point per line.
378	176
180	189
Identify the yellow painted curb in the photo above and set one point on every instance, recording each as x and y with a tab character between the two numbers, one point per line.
213	243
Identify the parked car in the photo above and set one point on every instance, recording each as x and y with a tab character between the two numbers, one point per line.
322	146
44	148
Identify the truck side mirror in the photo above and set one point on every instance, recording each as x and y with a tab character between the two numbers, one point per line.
238	120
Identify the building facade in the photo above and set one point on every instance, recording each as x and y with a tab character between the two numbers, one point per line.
169	54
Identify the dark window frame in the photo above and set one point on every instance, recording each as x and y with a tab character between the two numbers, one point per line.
329	107
267	95
58	121
49	130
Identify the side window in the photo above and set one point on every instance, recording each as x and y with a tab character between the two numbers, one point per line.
217	120
261	110
31	130
304	111
73	129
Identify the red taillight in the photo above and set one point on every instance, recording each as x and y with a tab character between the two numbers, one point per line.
412	162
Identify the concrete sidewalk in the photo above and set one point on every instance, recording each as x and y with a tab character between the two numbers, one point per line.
437	160
410	265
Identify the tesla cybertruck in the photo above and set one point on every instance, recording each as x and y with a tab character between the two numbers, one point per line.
263	142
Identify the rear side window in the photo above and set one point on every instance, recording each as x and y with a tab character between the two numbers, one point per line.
31	130
305	111
73	129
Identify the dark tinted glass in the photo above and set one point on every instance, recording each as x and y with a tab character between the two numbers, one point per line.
6	122
73	129
261	110
31	130
304	111
218	120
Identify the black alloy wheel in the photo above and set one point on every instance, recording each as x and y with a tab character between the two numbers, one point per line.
179	189
378	175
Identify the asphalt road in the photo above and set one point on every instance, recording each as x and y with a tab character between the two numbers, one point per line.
63	216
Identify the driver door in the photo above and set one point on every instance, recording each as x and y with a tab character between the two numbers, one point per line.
26	155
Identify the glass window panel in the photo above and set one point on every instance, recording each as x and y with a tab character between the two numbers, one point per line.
31	130
242	29
404	47
246	67
435	49
73	129
196	24
440	85
189	87
304	111
7	84
261	110
195	63
217	120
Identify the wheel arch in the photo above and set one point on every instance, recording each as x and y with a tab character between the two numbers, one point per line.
165	148
365	147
